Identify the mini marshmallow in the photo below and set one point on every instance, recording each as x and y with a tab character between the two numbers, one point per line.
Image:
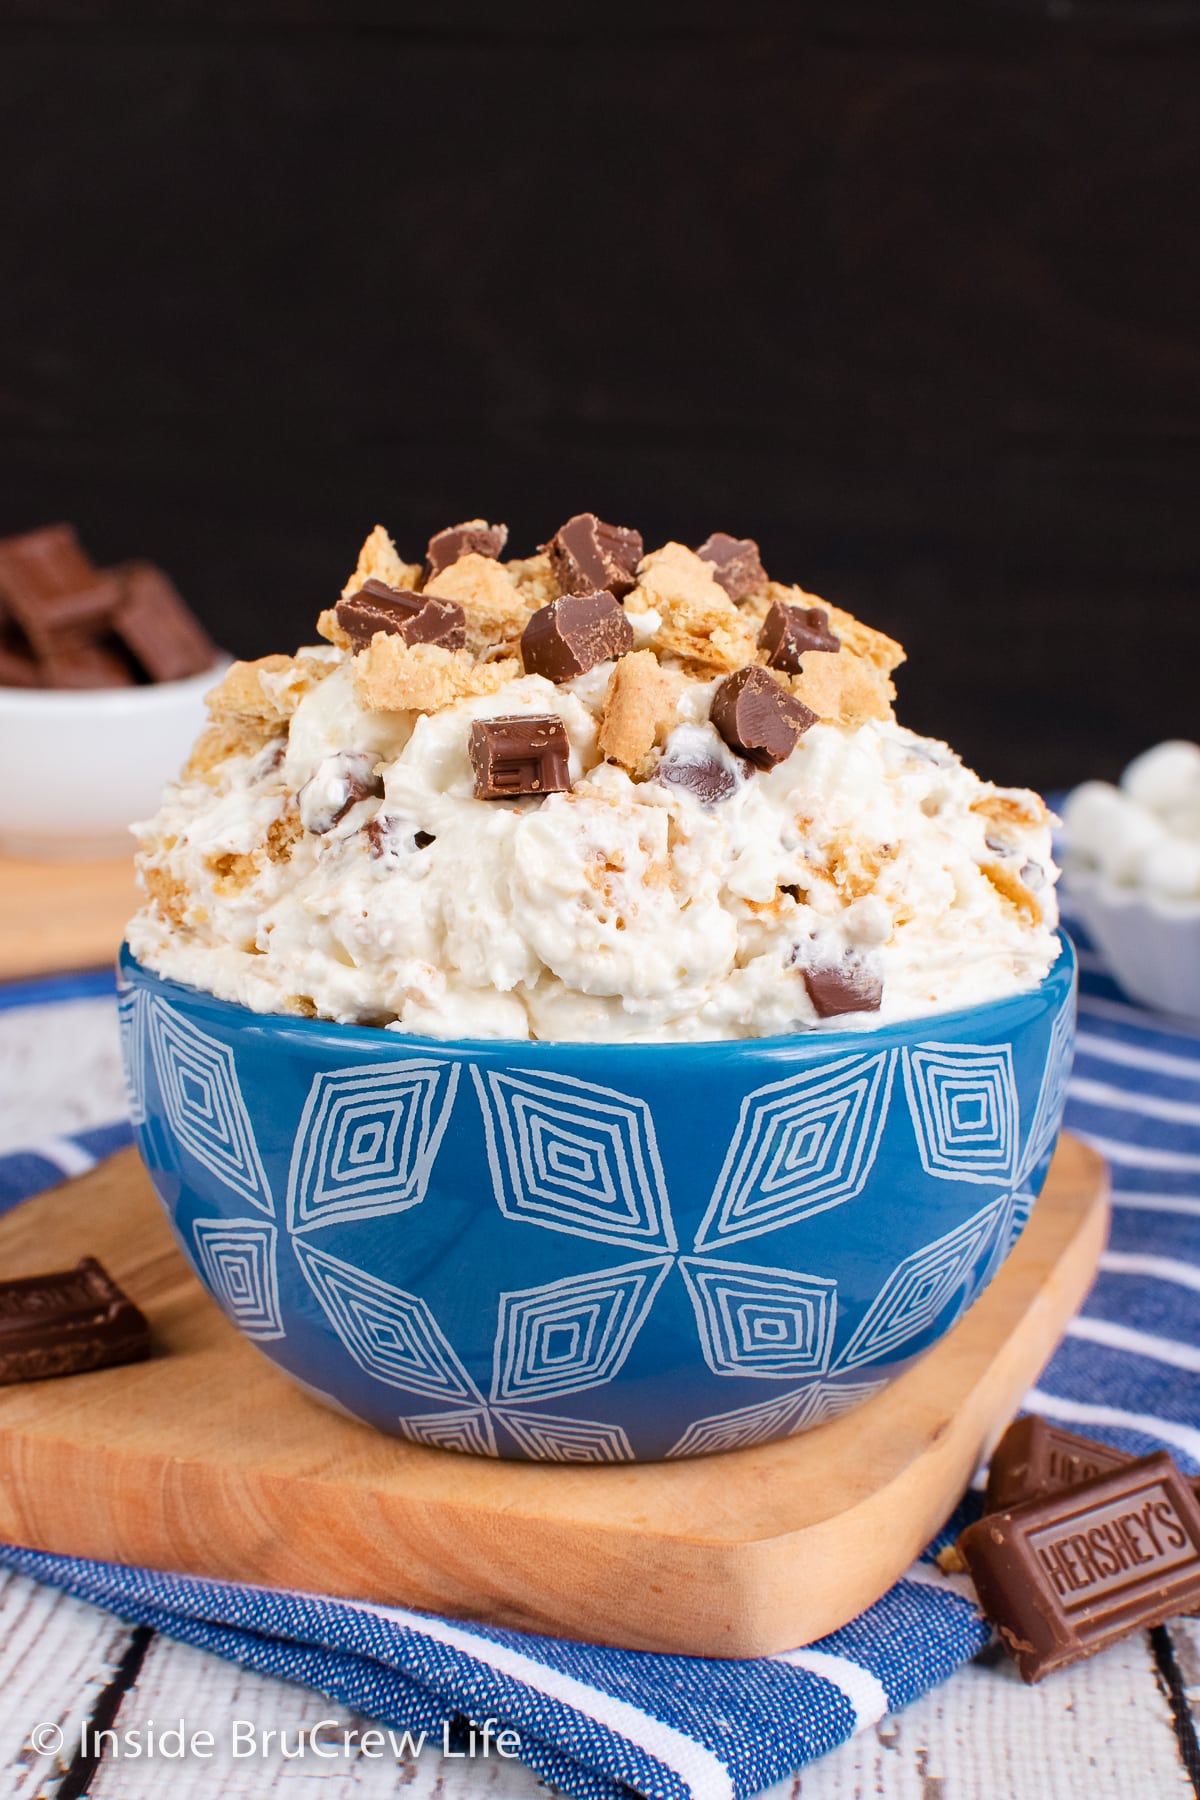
1106	827
1165	779
1173	869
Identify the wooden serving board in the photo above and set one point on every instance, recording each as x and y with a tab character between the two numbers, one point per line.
63	915
206	1459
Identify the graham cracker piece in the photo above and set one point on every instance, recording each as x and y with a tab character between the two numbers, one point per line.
1015	809
284	833
392	676
1012	889
842	688
221	741
875	647
331	631
534	580
700	624
496	609
232	871
167	894
639	709
267	690
379	560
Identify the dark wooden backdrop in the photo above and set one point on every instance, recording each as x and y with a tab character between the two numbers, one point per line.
909	293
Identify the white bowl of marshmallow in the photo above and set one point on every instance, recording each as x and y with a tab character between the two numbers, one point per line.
1131	868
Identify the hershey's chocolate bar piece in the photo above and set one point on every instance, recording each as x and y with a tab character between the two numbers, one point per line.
521	753
159	631
848	986
474	537
758	718
736	563
441	622
1034	1458
586	554
56	624
417	618
67	1322
789	632
79	662
376	607
40	564
573	634
709	780
1068	1574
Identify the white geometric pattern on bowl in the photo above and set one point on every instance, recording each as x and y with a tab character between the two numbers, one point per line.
198	1080
920	1288
581	1159
965	1110
390	1333
761	1322
575	1157
367	1141
238	1260
574	1333
801	1145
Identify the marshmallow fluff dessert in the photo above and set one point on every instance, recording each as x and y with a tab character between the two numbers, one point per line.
597	793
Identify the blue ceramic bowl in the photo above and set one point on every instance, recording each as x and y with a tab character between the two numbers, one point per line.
594	1253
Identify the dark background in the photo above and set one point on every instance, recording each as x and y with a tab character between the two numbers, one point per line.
910	293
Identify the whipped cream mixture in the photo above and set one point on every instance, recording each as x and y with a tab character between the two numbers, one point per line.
326	851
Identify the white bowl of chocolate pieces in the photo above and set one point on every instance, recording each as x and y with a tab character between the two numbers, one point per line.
103	674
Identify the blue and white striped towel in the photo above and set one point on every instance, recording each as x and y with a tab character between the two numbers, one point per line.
599	1722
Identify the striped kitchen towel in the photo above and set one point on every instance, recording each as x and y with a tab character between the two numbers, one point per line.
599	1722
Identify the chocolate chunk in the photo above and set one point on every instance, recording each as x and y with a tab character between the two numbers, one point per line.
586	554
376	607
736	563
522	753
82	663
758	718
340	782
67	1322
847	986
1035	1458
159	631
1068	1574
417	618
475	537
789	632
572	635
39	565
440	622
56	623
709	780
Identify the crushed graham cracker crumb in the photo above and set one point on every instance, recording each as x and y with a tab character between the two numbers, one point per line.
1013	891
497	611
1021	812
267	690
534	580
379	560
700	623
392	676
639	709
843	688
221	742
